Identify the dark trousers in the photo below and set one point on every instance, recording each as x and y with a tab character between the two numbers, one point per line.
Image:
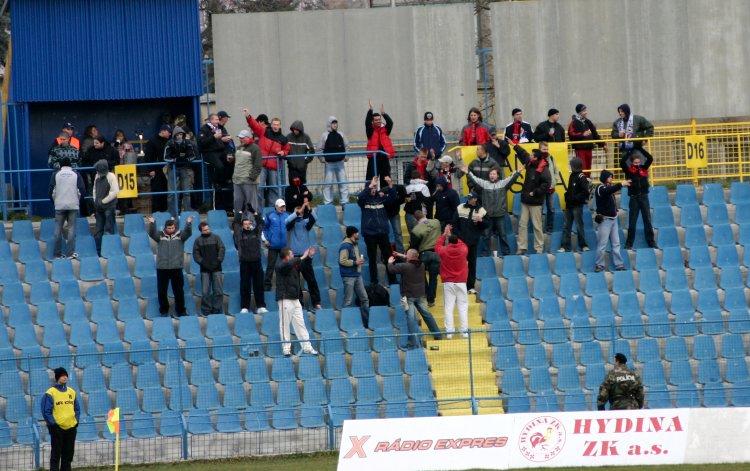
293	173
373	243
219	174
472	267
251	282
495	229
105	224
549	202
306	269
573	214
639	204
432	266
384	170
63	444
158	183
273	255
163	278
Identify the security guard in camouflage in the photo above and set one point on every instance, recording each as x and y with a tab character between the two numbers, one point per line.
622	387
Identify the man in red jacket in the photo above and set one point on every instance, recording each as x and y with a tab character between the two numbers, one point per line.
273	146
454	271
378	127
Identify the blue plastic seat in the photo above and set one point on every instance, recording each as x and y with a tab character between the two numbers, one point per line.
623	282
708	371
581	330
41	291
690	215
676	280
196	349
352	215
739	192
736	371
722	235
326	216
117	266
695	236
112	245
513	267
601	305
562	355
632	326
8	271
127	401
705	278
199	422
575	307
681	373
540	380
726	256
25	337
714	395
549	308
732	346
535	356
528	332
685	324
28	250
139	244
704	347
686	395
570	285
539	265
708	300
568	378
717	214
287	393
62	270
99	403
605	328
522	309
144	265
189	328
153	399
648	350
90	269
124	288
207	397
663	218
97	292
653	374
741	394
512	381
649	281
685	194
341	391
22	230
389	363
544	286
506	357
713	193
228	420
54	334
181	398
565	263
490	290
501	333
675	349
554	331
10	384
486	268
394	389
13	294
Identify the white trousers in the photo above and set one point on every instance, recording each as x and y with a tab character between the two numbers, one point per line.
290	312
455	294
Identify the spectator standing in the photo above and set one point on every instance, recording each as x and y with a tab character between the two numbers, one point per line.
454	272
418	197
481	166
274	238
273	146
629	126
412	273
518	130
155	155
288	295
499	150
180	153
636	171
446	203
622	387
423	238
425	168
471	225
63	150
170	254
208	253
70	130
247	240
393	210
61	410
105	199
225	197
66	188
549	197
582	129
429	137
248	164
449	170
475	132
375	225
98	150
550	130
300	145
334	145
299	224
89	133
576	198
494	196
296	194
212	144
378	127
533	193
126	156
606	217
350	268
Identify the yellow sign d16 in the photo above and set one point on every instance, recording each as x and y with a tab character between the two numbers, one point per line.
696	154
126	178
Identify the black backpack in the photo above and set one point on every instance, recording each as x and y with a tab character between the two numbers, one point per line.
377	294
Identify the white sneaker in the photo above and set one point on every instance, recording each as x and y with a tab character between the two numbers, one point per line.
466	336
472	291
310	351
287	353
449	336
561	250
244	311
262	310
586	249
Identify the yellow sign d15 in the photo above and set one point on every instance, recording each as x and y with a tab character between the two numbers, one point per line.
696	153
126	178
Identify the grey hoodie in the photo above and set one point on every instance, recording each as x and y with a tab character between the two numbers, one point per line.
299	144
105	186
324	139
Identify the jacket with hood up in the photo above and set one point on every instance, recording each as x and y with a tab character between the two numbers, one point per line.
332	142
299	144
105	186
181	153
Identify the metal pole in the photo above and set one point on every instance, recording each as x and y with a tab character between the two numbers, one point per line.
331	434
474	410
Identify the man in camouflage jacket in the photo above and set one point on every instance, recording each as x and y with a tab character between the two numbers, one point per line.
622	387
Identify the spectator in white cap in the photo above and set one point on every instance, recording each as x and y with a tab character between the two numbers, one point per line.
248	162
274	238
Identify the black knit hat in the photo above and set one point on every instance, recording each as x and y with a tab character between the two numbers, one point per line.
351	230
604	176
60	372
620	358
515	110
552	111
580	107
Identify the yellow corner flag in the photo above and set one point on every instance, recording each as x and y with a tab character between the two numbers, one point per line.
113	420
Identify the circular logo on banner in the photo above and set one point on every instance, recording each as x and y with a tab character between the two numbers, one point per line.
541	439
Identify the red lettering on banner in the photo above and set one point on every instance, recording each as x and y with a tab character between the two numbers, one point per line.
424	445
441	444
395	446
357	444
381	446
603	448
627	425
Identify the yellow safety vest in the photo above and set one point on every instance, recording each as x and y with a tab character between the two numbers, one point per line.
63	408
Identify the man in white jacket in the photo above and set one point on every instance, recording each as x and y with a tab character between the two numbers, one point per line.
105	201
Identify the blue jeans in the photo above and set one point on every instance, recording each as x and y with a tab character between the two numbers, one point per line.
398	238
105	224
184	182
608	231
573	213
335	172
269	178
495	228
355	286
212	293
64	216
420	304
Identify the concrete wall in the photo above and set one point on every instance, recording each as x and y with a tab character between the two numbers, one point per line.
669	59
314	64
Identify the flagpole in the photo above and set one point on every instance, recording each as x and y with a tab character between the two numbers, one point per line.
117	449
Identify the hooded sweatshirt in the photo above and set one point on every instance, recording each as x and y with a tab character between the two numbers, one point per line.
332	142
105	186
577	193
454	267
299	144
179	149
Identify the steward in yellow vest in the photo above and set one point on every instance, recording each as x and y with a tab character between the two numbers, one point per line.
61	411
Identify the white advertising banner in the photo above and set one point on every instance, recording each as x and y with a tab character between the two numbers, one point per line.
633	437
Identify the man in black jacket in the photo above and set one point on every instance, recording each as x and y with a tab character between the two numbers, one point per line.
636	171
550	130
533	194
606	216
446	201
288	295
208	253
393	209
213	145
155	154
300	145
576	198
180	153
471	225
247	240
582	129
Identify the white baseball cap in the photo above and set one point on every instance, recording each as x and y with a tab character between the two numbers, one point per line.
280	203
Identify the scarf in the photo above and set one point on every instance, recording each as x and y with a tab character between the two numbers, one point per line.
627	128
638	171
579	118
540	166
276	136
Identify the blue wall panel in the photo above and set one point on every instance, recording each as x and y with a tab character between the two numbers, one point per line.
82	50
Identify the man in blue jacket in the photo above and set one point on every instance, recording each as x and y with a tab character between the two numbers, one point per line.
375	226
274	238
430	138
62	411
299	224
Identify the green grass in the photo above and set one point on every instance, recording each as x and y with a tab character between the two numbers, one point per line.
328	461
